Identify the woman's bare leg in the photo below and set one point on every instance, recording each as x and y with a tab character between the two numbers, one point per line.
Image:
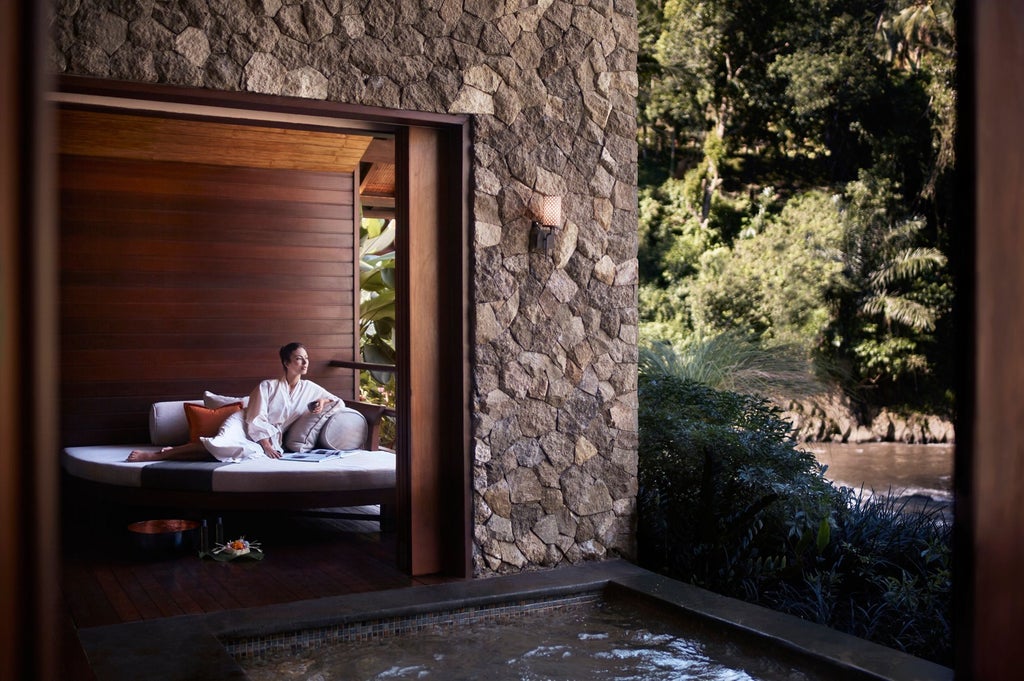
190	451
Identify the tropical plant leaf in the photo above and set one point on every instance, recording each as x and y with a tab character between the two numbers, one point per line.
906	264
824	534
902	310
380	306
380	242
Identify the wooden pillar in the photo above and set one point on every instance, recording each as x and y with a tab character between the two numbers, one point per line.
29	546
419	380
433	470
996	459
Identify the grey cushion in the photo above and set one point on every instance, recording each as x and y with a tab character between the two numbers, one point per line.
302	434
346	429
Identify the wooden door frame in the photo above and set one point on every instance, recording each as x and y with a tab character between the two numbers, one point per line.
433	473
432	174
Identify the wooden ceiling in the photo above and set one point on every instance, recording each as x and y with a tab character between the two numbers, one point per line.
125	135
377	186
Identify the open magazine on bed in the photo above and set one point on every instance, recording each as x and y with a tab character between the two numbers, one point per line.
317	455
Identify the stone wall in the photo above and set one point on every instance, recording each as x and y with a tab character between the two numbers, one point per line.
551	85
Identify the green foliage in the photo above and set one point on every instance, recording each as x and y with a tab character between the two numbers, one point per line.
377	285
772	284
765	112
728	502
886	575
672	237
796	161
377	308
918	31
893	291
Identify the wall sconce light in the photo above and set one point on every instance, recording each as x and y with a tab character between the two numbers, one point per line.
549	218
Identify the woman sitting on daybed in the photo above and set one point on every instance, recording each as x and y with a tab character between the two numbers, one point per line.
256	430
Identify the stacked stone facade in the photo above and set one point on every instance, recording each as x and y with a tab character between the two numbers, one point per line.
551	86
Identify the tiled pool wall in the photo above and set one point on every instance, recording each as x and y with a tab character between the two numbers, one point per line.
256	647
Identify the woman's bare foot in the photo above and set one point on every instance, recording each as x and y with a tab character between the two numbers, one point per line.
143	455
190	451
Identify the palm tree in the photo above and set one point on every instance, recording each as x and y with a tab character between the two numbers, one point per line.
921	38
918	29
882	313
881	258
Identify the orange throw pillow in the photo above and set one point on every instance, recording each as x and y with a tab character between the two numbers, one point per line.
204	422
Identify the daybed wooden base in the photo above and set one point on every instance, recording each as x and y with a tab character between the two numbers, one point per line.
84	493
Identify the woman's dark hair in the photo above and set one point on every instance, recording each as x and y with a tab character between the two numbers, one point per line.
287	350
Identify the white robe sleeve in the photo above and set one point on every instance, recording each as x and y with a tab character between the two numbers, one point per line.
259	416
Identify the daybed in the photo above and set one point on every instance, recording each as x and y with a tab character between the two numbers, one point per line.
363	476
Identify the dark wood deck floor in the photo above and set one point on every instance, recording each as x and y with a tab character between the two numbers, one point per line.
106	580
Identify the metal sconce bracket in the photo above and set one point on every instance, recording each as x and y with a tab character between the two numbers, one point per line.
542	237
546	219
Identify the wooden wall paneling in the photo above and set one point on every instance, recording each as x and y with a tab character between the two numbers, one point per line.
180	277
352	375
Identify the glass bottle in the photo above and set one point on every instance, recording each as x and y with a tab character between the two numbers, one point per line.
204	539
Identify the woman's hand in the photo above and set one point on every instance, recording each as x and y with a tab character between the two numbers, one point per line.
317	406
268	449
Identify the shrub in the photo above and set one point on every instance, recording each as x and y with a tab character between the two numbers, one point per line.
886	576
728	501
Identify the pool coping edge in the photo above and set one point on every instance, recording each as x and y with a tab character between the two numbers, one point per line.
190	647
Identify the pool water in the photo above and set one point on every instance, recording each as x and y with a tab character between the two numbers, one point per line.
609	639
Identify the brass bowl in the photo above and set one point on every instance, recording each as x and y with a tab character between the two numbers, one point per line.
163	537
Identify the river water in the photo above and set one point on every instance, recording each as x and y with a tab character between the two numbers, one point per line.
919	471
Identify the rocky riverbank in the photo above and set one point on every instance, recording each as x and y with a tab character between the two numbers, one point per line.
831	418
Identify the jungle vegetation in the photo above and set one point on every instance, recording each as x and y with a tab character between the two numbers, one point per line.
796	171
797	233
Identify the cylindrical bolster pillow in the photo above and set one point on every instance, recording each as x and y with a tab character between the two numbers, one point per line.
304	432
346	429
167	423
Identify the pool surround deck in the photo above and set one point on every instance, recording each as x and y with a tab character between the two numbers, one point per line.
190	647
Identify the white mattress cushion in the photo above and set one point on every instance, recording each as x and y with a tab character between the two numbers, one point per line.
104	463
353	471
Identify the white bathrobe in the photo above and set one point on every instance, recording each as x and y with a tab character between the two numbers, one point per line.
273	406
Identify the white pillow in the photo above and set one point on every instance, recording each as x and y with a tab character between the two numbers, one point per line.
230	442
345	430
214	401
301	435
